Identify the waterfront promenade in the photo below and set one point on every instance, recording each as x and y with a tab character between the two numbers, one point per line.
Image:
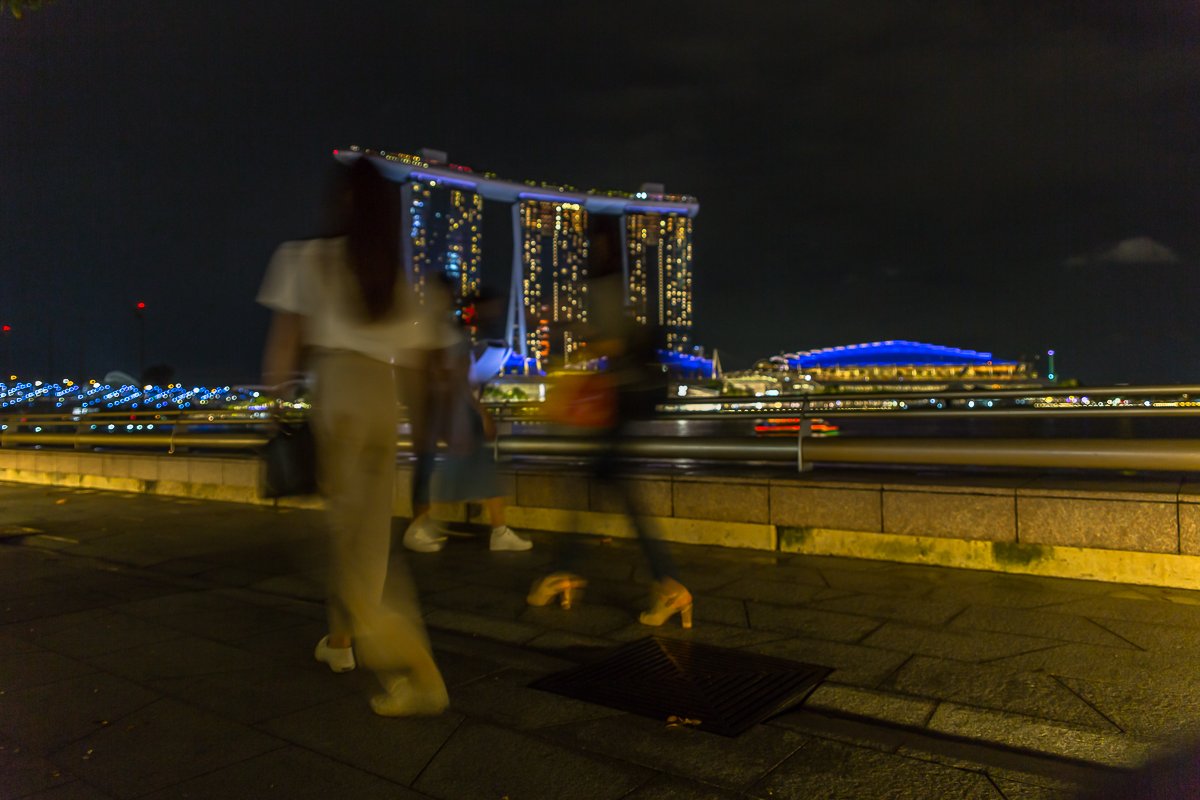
160	647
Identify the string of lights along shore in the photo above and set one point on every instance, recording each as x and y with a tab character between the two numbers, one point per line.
443	215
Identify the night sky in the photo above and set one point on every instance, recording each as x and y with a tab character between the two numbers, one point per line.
1007	177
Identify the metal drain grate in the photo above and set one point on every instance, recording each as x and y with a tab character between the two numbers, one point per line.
713	689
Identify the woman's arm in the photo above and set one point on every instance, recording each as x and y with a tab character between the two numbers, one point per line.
281	357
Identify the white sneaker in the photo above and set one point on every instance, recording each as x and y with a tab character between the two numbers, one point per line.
503	538
422	537
339	659
402	700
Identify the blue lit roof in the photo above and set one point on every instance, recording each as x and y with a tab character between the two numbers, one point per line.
892	353
94	396
407	168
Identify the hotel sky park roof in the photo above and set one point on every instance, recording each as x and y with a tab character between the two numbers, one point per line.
402	167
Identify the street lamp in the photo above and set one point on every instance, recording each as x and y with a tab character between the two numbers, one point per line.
140	312
5	330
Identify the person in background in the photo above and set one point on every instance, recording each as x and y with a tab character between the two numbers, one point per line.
469	472
424	382
342	303
629	349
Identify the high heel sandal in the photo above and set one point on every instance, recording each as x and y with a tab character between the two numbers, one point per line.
667	606
563	585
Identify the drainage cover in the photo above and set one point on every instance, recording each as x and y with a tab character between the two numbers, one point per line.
713	689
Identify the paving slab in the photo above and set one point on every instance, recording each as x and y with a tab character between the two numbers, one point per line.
1035	694
851	663
811	622
504	698
1042	623
1148	709
512	632
837	771
771	591
957	643
734	764
176	658
668	787
347	731
258	694
290	773
917	610
855	701
486	762
1035	734
37	667
155	628
588	619
25	772
50	602
157	746
90	633
734	636
75	790
1136	608
46	717
1173	641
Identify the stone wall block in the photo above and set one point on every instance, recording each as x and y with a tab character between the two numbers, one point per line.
729	501
543	490
822	507
1108	524
649	496
957	515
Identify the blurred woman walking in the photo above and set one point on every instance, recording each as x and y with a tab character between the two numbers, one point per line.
342	303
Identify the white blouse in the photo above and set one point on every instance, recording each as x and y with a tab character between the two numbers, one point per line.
313	278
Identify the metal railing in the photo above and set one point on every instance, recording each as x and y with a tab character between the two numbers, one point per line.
246	430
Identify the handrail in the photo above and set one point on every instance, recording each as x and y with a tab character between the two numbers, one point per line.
1115	454
247	429
1118	454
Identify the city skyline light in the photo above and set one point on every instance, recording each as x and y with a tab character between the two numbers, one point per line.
1007	179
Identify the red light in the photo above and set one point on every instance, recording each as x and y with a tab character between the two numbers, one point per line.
141	306
6	328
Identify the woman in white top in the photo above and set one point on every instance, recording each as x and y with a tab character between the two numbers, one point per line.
344	303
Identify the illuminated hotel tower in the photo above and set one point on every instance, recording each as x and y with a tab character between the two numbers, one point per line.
659	274
443	208
553	248
444	234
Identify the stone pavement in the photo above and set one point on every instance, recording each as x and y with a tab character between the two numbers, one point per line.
157	647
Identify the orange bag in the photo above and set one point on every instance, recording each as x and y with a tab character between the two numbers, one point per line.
582	400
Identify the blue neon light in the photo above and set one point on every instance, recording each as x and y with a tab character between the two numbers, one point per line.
891	353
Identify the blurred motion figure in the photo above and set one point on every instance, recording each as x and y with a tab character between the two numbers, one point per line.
343	304
636	384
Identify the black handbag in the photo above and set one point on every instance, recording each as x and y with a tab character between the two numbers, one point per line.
290	459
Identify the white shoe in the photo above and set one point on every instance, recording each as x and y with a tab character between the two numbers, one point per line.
339	659
503	538
403	700
422	537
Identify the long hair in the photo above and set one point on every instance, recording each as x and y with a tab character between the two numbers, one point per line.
605	241
372	228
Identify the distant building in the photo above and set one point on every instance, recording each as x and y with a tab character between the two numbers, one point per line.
659	283
895	365
443	206
446	236
554	250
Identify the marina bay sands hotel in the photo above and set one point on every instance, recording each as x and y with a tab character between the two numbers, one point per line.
443	214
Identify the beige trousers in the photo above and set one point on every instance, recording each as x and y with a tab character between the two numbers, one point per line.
354	419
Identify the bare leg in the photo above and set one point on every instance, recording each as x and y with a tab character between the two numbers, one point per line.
495	511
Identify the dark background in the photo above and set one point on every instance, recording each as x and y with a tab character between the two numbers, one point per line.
950	172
